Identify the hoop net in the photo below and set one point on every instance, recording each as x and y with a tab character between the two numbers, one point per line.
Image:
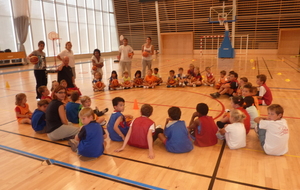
222	17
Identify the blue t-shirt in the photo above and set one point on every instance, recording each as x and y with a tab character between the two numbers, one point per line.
38	120
113	135
92	145
72	110
177	138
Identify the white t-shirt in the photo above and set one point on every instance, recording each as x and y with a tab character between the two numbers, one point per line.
149	50
235	135
70	55
124	50
262	92
97	62
252	111
277	136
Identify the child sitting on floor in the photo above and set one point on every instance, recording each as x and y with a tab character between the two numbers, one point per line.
117	126
38	119
265	95
150	80
251	110
239	90
172	80
54	85
182	81
210	79
138	80
73	107
140	131
158	77
203	129
222	80
127	84
273	131
196	80
89	142
23	113
98	85
113	81
237	102
235	133
43	90
175	136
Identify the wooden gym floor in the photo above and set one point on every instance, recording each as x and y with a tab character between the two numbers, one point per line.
23	152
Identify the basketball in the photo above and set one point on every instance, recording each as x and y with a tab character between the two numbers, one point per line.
94	68
130	54
172	81
145	54
127	82
99	84
115	82
139	81
34	59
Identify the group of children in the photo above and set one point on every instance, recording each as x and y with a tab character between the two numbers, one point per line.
175	135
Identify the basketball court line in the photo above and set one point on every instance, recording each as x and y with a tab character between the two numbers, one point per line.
155	165
81	169
267	68
298	70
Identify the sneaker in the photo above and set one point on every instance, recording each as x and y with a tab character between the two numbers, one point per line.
168	86
73	144
213	95
100	113
219	136
212	85
194	85
205	84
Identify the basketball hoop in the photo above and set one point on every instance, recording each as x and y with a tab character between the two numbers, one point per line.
221	20
53	36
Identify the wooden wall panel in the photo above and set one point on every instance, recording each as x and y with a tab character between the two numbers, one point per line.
179	43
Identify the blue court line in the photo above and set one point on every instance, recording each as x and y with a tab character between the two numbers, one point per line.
94	172
19	71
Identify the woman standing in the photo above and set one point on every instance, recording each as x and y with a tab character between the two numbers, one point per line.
69	53
57	127
97	62
40	73
147	52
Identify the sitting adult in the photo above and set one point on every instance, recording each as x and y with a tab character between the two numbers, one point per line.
65	73
57	127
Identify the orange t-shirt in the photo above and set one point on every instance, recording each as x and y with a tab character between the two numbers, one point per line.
22	110
150	79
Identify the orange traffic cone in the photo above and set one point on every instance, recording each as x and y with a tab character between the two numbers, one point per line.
7	85
135	105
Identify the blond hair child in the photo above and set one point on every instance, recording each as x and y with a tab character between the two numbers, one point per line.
127	84
235	133
98	85
89	142
55	84
23	113
210	79
150	80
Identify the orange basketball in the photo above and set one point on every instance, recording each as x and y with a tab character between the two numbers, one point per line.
34	59
94	68
130	54
193	79
127	82
139	81
145	54
172	81
99	84
115	82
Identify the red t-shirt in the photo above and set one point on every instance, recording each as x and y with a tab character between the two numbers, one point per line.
207	134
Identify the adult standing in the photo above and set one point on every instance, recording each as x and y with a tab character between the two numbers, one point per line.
147	52
125	55
97	62
69	53
65	73
40	72
57	127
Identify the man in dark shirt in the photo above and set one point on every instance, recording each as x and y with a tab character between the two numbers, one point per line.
65	73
